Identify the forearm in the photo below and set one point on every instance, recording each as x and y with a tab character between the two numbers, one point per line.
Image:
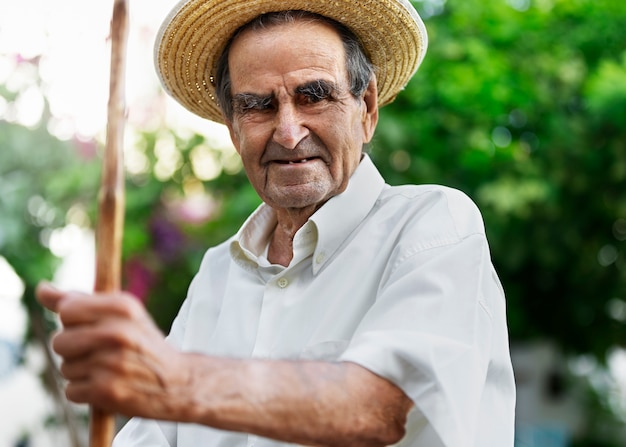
311	403
114	357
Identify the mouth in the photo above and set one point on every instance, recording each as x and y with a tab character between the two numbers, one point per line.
295	162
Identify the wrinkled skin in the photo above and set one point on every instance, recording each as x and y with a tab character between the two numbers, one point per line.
298	129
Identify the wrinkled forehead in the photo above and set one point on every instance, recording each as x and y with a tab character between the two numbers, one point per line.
285	26
303	33
293	52
287	17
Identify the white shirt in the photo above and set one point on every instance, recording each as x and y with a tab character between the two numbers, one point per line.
396	279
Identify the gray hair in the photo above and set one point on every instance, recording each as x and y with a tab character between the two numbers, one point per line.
358	64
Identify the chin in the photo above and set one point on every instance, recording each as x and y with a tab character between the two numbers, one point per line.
300	198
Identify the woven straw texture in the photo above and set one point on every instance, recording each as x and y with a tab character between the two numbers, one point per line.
195	33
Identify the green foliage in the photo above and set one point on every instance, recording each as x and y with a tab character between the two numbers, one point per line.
35	199
525	111
163	245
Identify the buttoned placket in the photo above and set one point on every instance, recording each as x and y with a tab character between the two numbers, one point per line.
278	282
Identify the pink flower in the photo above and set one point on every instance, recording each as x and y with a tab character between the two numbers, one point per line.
139	279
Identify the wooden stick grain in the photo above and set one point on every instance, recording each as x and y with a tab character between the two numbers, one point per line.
111	197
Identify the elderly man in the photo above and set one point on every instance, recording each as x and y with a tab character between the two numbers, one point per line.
344	312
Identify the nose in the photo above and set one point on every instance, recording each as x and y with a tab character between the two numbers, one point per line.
289	129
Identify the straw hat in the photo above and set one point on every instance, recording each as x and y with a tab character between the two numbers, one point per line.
194	34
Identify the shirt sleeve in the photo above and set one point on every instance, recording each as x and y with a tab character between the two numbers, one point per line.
146	433
438	331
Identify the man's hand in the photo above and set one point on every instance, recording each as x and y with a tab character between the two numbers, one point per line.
115	358
113	354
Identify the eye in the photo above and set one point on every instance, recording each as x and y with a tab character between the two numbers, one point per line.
315	92
244	103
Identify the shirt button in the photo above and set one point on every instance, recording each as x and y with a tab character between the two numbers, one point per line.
320	258
283	282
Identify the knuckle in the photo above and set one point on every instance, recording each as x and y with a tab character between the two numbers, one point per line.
119	336
128	307
75	393
110	392
65	370
58	343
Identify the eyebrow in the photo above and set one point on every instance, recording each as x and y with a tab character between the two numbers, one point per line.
247	101
319	88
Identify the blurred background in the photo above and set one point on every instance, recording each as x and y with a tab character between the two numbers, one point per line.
519	103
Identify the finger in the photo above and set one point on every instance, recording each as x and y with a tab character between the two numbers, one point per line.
129	382
79	341
114	363
80	308
83	368
48	295
97	389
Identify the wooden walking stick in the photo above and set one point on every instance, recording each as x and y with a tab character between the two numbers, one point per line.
111	198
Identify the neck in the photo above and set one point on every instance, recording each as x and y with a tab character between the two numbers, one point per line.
289	221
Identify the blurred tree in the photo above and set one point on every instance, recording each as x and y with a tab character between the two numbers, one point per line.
522	104
35	204
171	222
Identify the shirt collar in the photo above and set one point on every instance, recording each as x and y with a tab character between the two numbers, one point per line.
250	241
333	222
342	214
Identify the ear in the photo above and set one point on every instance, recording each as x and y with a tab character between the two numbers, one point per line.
234	136
370	112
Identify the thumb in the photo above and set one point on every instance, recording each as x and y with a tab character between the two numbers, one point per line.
48	295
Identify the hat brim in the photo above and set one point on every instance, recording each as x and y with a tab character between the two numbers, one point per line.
194	34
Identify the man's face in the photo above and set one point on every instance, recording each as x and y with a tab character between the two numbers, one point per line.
296	126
